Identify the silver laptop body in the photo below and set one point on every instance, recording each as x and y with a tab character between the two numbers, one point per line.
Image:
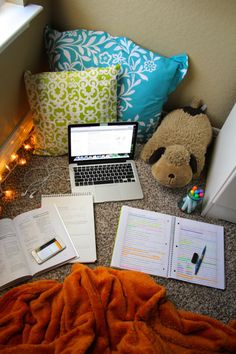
96	147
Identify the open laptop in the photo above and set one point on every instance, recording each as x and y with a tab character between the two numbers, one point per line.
101	160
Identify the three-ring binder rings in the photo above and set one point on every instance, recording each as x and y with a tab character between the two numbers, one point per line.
169	246
77	213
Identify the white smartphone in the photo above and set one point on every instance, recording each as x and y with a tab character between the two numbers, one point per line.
48	250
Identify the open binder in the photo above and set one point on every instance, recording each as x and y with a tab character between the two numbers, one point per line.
169	246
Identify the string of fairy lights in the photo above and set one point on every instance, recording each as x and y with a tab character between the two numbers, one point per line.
16	159
42	173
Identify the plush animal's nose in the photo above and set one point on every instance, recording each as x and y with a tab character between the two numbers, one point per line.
171	175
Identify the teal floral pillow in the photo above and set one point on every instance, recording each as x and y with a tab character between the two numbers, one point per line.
60	98
144	81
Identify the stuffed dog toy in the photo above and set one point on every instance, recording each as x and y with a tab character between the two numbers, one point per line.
177	149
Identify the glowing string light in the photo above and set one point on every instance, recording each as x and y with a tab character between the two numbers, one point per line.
15	160
22	161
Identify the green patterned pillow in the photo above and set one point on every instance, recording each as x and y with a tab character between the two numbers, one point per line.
60	98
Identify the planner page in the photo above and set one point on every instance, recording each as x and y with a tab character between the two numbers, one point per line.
198	253
36	228
142	241
77	214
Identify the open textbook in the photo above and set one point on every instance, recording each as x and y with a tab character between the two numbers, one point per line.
169	246
26	233
77	214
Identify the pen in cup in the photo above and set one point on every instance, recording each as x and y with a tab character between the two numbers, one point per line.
199	262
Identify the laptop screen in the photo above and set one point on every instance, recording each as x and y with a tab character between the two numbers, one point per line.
103	142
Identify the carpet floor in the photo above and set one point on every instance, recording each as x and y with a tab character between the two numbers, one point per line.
48	175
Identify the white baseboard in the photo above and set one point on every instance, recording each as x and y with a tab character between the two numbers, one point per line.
15	141
215	131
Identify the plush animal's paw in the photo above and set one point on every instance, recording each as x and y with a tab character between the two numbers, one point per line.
145	154
148	150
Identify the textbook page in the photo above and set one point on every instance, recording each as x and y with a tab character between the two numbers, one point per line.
191	240
77	213
13	264
39	226
142	241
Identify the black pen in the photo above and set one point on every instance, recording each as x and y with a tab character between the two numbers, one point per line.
199	262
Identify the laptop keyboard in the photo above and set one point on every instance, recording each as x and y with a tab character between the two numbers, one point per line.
103	173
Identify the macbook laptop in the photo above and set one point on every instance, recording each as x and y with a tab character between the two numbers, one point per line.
101	160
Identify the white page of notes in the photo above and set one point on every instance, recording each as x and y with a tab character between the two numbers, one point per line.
39	226
78	216
142	241
191	237
13	264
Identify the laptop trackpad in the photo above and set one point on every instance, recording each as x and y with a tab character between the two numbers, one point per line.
107	192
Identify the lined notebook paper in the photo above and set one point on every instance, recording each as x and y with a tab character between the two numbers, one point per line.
77	213
171	247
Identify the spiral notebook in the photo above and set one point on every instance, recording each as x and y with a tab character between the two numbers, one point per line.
169	246
77	213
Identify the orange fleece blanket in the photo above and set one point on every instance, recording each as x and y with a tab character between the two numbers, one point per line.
105	311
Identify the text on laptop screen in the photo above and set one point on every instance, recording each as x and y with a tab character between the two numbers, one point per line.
101	142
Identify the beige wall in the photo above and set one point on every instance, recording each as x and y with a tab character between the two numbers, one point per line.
26	52
204	29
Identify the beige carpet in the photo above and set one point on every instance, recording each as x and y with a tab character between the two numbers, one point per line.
50	175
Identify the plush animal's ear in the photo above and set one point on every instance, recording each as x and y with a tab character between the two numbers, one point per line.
156	155
193	163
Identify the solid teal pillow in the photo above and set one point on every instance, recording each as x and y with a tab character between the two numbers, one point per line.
144	81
